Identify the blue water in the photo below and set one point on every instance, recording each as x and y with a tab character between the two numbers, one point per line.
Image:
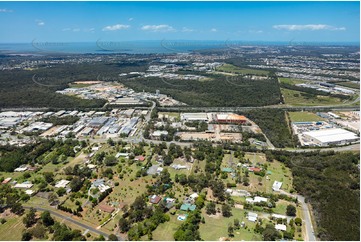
138	47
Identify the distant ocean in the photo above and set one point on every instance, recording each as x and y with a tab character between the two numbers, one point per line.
140	47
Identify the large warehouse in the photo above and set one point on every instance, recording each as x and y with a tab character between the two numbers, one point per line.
327	137
194	117
231	118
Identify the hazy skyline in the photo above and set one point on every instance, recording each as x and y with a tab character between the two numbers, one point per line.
22	22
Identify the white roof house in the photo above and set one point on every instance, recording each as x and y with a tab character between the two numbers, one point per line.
29	192
62	183
24	185
330	136
194	195
258	199
21	169
281	227
252	217
158	133
276	186
278	216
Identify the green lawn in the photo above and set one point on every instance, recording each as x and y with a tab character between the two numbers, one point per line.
281	207
297	98
165	231
349	84
238	70
215	228
12	229
304	117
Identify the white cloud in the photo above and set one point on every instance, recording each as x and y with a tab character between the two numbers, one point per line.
214	30
130	19
295	27
5	10
40	22
116	27
256	31
185	29
89	30
158	28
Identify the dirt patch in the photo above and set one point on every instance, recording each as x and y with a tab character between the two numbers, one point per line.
7	214
209	195
216	216
239	206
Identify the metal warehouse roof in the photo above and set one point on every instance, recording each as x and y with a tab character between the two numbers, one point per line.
331	135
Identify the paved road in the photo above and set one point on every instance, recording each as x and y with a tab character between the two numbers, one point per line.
78	223
310	232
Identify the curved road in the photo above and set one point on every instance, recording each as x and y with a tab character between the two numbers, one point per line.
309	233
78	223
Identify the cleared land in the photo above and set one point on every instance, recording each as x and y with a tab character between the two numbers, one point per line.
304	117
234	69
298	98
291	81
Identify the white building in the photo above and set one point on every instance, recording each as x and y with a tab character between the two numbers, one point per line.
62	183
327	137
274	215
276	186
281	227
194	117
252	217
24	185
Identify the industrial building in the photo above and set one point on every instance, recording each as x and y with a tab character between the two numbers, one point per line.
127	128
230	118
194	117
326	137
98	122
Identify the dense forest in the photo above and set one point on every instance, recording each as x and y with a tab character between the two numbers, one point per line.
331	183
36	88
220	91
274	125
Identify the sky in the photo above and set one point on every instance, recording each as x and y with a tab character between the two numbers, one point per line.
22	22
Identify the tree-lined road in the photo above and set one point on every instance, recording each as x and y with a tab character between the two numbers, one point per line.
76	222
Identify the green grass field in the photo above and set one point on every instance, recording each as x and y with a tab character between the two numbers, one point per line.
291	81
349	84
12	229
304	117
238	70
296	98
217	227
165	231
